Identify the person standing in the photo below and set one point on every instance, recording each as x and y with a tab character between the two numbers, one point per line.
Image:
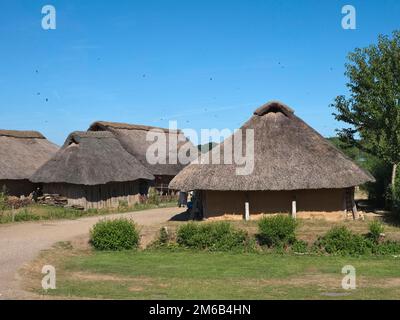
182	199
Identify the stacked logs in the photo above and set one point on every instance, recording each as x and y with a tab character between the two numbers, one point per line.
53	200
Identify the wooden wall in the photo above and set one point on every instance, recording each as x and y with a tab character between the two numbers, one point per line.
96	197
17	188
218	203
161	184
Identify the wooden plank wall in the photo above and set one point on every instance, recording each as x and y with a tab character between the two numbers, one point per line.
17	188
96	197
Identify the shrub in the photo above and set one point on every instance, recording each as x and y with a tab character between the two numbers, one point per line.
386	248
119	234
213	236
123	205
153	197
3	201
164	240
375	230
277	231
163	237
300	246
340	240
25	215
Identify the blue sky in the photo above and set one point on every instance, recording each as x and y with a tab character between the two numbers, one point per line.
206	64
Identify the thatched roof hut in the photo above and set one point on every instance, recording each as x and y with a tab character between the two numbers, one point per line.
133	138
21	154
288	156
93	170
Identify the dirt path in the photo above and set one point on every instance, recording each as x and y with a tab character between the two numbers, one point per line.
21	243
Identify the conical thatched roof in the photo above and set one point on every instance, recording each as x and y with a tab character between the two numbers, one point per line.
23	152
91	158
288	155
133	138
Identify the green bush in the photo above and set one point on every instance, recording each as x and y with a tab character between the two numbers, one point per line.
375	230
163	236
123	205
153	197
300	246
119	234
3	201
164	240
276	231
341	241
213	236
25	215
386	248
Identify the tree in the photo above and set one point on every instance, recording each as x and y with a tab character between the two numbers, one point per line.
373	107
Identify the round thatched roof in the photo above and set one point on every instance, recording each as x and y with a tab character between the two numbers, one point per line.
91	158
22	153
133	138
288	155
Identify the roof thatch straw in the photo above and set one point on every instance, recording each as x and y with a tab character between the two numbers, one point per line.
91	158
23	152
288	155
133	139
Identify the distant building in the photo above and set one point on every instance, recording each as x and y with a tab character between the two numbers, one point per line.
94	171
21	153
133	138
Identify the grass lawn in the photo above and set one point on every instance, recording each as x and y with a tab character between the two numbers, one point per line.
161	274
37	212
155	274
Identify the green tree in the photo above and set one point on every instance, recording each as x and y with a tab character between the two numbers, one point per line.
373	107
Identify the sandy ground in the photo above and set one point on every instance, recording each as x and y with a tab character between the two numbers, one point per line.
21	243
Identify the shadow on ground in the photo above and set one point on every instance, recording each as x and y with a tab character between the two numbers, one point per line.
391	218
183	216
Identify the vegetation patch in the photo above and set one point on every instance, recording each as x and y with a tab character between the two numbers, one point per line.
34	212
342	241
277	235
212	236
277	231
119	234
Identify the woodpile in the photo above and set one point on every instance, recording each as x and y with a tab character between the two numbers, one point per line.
53	200
17	202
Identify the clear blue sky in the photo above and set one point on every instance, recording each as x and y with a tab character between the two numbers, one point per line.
206	64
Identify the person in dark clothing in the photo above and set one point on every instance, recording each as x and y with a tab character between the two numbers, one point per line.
182	200
37	193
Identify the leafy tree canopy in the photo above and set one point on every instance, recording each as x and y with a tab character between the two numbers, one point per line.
373	107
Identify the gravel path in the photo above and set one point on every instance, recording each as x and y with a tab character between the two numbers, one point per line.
20	243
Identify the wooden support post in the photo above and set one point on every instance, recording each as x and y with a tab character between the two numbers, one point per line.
246	211
345	202
354	206
294	209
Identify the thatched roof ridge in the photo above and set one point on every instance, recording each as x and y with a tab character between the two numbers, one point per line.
274	106
91	158
21	134
119	125
288	155
22	153
77	136
133	138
